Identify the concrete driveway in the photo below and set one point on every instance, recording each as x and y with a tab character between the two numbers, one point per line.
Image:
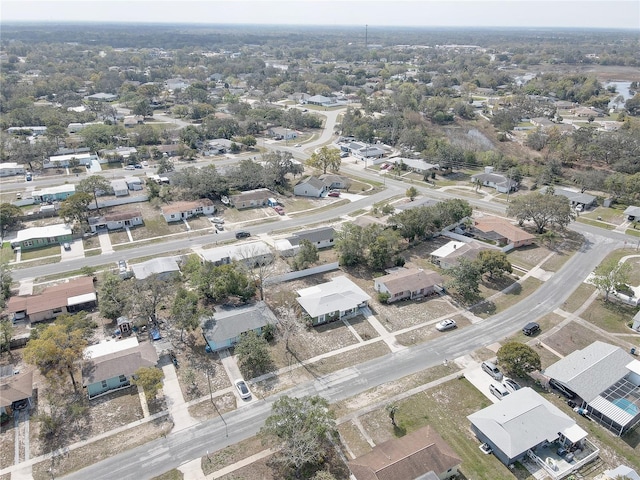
77	251
481	380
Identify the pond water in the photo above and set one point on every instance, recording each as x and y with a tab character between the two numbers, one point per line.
622	88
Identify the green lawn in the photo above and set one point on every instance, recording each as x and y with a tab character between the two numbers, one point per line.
41	252
611	316
6	253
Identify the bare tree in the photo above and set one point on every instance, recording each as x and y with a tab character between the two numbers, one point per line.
148	294
257	261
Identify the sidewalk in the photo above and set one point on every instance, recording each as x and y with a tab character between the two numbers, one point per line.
178	409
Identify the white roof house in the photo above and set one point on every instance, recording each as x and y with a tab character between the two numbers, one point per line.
332	300
243	252
162	266
524	422
42	232
606	378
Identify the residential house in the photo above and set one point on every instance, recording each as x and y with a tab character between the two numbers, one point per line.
575	197
133	183
63	161
163	267
321	100
218	146
633	213
179	211
71	296
501	183
526	425
365	151
319	237
110	365
420	455
251	254
333	181
120	188
636	322
281	133
542	122
333	300
310	187
169	150
417	165
251	198
421	202
102	97
224	329
118	153
502	231
38	237
409	283
53	194
34	129
449	255
133	120
9	169
622	472
117	220
587	112
606	382
14	387
176	84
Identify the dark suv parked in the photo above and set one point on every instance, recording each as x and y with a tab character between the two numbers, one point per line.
531	328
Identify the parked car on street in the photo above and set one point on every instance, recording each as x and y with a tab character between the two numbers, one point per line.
242	234
243	389
447	324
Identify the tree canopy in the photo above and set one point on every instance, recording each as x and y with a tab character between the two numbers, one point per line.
326	159
301	429
57	350
253	355
610	275
543	209
518	359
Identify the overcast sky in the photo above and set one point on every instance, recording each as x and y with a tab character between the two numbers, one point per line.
444	13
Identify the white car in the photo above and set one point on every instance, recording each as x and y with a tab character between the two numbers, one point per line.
216	220
243	389
578	208
297	145
447	324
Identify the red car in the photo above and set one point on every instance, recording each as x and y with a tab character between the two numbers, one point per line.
279	210
333	194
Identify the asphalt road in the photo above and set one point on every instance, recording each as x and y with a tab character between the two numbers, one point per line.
159	456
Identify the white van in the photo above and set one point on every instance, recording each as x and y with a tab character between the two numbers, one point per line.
498	390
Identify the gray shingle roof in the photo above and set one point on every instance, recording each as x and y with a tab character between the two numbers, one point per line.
228	324
521	421
313	235
590	371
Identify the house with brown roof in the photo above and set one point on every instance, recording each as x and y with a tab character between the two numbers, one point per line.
114	221
502	231
111	364
411	283
420	455
14	388
251	198
67	297
178	211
